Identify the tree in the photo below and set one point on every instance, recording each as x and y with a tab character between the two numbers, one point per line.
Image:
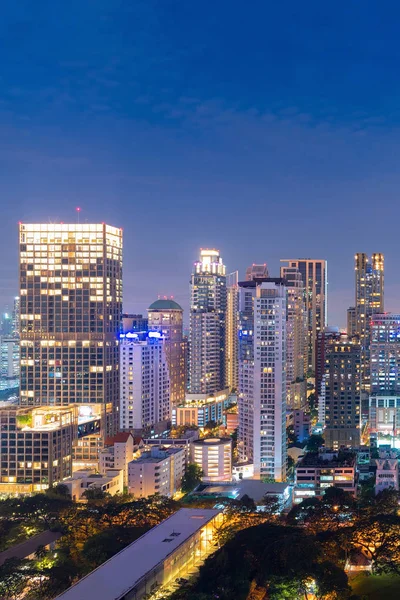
191	478
104	545
314	443
95	493
14	575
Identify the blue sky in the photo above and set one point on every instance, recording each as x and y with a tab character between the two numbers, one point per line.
268	130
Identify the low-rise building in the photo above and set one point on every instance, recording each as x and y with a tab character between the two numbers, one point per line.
110	482
316	472
387	472
199	409
118	452
167	552
214	457
36	447
157	471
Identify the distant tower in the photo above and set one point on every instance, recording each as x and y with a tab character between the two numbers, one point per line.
351	321
256	272
369	280
207	335
166	316
232	357
314	273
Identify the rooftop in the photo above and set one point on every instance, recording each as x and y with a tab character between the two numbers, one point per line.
164	304
117	576
329	460
253	488
121	438
27	548
212	441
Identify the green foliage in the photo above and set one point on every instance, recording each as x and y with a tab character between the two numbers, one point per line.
314	443
95	493
24	420
191	478
102	546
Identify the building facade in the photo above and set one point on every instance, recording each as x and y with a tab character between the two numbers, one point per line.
296	339
232	330
9	363
157	471
70	303
214	457
369	286
144	381
257	272
315	473
199	409
351	321
342	395
262	377
314	274
207	334
166	317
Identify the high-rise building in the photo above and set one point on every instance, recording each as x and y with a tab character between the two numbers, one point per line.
207	335
296	339
330	335
314	273
351	321
369	285
342	395
166	317
6	325
130	322
262	377
9	363
385	354
257	272
70	302
232	324
145	395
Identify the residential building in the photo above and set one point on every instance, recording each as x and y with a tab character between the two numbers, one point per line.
330	335
351	321
207	334
167	552
296	339
301	425
144	381
36	447
214	457
157	471
257	272
369	299
232	356
314	274
316	472
262	377
110	481
136	323
166	317
70	303
342	395
15	317
119	450
199	409
387	472
385	354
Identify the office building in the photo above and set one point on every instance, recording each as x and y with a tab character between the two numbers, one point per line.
9	363
36	447
214	457
131	322
342	395
6	324
369	299
232	325
166	317
144	381
351	321
171	550
262	377
157	471
257	272
70	303
296	339
330	335
207	335
385	354
384	418
314	274
316	472
199	409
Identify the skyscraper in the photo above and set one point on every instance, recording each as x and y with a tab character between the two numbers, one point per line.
145	395
342	395
369	284
257	272
166	317
296	339
314	273
232	356
207	334
15	317
351	321
385	354
130	322
262	377
71	295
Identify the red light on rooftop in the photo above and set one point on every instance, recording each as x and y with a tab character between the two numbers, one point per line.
78	209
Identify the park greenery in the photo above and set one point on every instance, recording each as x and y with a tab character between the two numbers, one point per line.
259	554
